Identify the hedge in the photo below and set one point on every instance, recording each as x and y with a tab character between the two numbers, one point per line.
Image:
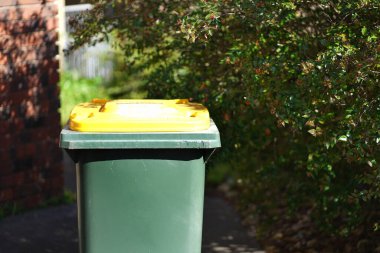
293	86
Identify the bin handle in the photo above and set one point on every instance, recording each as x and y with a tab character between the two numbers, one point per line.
208	155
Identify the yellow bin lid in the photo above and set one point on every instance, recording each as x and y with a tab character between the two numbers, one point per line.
133	115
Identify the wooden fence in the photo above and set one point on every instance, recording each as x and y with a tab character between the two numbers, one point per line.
87	61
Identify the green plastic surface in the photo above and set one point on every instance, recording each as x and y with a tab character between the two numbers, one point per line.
206	139
140	192
140	201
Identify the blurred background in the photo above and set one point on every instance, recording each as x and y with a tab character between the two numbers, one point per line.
292	85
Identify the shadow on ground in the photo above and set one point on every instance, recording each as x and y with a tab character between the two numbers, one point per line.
222	231
54	229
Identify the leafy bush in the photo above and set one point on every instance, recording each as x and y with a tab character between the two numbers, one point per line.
293	86
124	84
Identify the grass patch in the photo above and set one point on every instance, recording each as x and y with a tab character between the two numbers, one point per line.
10	209
76	89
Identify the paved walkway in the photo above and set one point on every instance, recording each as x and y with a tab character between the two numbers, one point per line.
54	229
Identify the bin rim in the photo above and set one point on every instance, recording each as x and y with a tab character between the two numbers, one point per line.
204	139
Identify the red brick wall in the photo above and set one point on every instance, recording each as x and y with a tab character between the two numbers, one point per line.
30	161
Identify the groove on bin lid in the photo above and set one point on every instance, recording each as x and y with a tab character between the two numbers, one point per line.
139	115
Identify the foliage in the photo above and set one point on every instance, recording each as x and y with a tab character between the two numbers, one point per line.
68	197
293	86
75	90
12	208
8	209
124	84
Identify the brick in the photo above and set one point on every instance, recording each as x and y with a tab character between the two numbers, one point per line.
29	118
5	114
20	85
17	125
19	32
5	155
26	190
33	135
53	171
3	59
43	163
9	42
6	195
53	76
12	28
4	128
5	74
19	79
33	92
18	178
29	109
4	71
58	156
40	161
30	12
45	107
30	201
24	164
7	140
11	123
6	169
33	201
18	96
21	55
12	180
45	184
5	150
48	143
49	96
3	89
50	64
35	122
51	193
22	2
49	106
34	176
51	119
57	182
25	151
57	192
32	73
54	155
24	136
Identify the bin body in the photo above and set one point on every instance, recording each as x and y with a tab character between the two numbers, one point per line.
140	192
141	201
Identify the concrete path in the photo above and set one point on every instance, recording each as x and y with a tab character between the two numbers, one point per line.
54	229
222	231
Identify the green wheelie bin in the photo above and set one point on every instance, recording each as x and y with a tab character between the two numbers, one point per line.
140	174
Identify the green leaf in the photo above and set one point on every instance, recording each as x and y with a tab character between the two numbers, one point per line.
343	138
364	30
313	132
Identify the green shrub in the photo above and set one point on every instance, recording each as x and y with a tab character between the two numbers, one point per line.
293	86
123	83
75	89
